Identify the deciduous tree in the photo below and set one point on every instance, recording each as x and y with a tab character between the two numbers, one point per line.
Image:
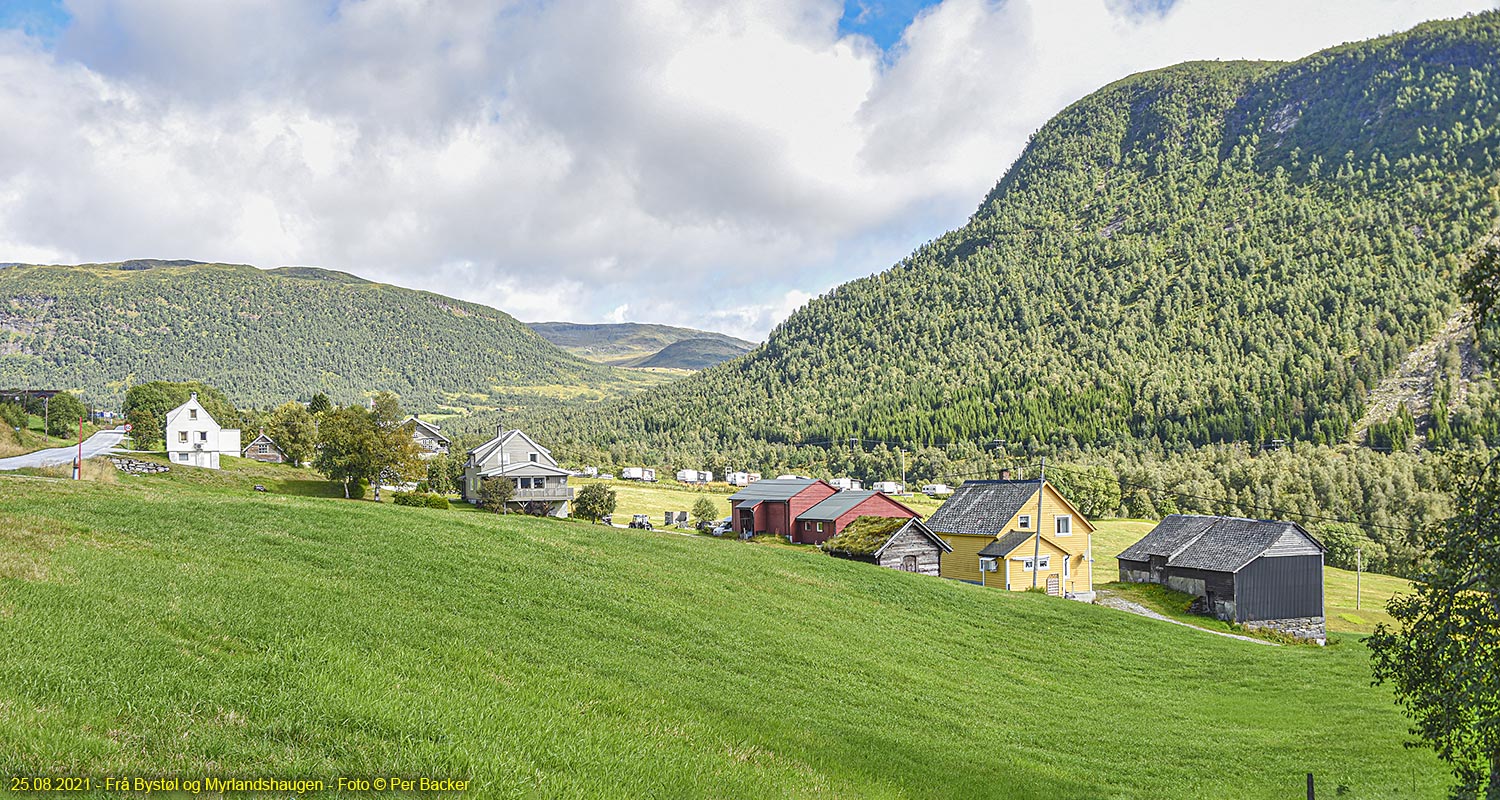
594	502
294	430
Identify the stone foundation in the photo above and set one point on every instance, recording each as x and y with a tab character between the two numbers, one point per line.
138	467
1300	627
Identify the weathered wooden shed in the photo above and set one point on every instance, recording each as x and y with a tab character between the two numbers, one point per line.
894	543
1260	573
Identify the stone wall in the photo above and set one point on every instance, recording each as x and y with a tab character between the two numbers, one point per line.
135	466
1300	627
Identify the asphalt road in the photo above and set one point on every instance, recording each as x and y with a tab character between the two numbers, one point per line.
98	444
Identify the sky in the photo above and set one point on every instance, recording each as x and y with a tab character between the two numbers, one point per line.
711	164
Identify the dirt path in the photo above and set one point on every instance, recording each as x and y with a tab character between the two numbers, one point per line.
1117	602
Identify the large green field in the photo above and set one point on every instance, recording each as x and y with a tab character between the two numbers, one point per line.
185	625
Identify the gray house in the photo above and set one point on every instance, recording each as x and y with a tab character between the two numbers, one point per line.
429	438
1260	573
541	486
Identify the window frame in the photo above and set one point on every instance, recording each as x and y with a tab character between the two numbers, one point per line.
1023	522
1057	524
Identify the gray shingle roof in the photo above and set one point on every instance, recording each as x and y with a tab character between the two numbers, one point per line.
837	505
779	489
982	507
1001	547
1218	544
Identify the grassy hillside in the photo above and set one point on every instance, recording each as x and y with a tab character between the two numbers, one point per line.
167	625
634	344
1206	253
267	336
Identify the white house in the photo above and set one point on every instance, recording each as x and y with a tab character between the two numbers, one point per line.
195	439
541	485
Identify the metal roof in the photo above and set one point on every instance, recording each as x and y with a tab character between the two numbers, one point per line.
837	505
1217	544
982	507
778	489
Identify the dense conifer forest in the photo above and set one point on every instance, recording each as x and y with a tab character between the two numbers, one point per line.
264	337
1209	253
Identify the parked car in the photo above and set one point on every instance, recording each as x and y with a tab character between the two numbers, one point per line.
721	527
641	521
606	476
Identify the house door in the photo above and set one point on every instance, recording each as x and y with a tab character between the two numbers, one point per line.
909	564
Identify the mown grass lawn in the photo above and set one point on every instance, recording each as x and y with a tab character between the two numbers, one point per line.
186	625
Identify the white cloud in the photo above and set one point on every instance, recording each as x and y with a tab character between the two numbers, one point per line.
680	161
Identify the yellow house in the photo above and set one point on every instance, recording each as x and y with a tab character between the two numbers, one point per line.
1016	535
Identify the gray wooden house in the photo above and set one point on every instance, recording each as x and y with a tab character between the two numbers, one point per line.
541	485
891	542
1259	573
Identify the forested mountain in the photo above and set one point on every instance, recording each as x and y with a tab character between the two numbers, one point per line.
635	344
1213	252
264	337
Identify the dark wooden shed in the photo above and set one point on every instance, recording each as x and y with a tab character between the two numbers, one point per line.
1260	573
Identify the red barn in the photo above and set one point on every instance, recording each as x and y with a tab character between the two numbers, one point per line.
829	518
774	506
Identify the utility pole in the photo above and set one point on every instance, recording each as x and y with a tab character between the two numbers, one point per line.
78	465
1359	568
902	455
1036	540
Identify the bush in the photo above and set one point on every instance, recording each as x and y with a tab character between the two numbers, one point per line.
14	415
420	500
495	493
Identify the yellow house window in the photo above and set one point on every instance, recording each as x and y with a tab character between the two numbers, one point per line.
1045	562
1064	525
1024	521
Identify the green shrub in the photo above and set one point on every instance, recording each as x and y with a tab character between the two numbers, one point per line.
14	415
420	500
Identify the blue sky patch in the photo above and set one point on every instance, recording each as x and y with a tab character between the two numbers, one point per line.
881	20
43	19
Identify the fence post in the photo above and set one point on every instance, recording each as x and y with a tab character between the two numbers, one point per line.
1311	794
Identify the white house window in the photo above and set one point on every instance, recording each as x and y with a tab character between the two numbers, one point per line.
988	564
533	458
192	413
1064	525
202	436
182	437
820	527
182	456
1024	521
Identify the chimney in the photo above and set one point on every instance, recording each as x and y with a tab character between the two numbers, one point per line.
1005	474
193	397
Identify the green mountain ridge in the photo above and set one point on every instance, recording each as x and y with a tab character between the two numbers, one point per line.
637	344
1212	252
264	336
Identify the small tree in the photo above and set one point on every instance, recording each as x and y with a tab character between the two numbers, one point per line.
346	440
442	478
1444	660
395	456
319	404
294	430
496	493
63	413
594	502
704	512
